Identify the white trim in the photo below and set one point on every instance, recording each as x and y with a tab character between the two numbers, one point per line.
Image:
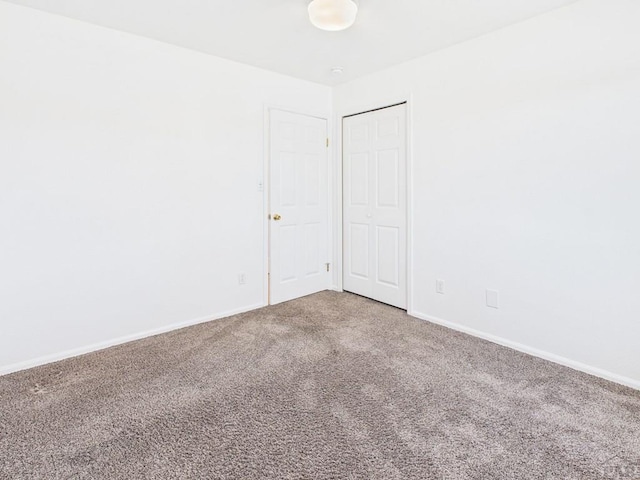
266	186
16	367
337	206
407	99
552	357
410	192
330	196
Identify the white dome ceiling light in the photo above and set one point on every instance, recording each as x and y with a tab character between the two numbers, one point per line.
333	15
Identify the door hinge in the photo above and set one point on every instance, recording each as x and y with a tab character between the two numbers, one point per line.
328	265
327	142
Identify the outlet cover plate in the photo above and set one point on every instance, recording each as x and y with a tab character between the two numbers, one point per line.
492	298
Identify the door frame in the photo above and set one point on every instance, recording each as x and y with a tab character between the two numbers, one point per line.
264	182
338	205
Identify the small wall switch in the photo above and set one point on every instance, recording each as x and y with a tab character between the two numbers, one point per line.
440	286
492	298
242	279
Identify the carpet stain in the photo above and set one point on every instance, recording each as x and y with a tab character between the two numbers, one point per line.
38	389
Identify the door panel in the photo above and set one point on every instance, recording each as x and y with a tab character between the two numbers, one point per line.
388	179
312	188
312	235
388	256
287	241
375	205
359	180
298	239
287	179
360	250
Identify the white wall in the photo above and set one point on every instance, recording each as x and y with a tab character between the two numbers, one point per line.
129	175
129	172
526	161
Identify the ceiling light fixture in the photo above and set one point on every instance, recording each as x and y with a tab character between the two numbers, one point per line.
333	15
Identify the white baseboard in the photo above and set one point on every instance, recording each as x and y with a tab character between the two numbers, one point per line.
36	362
598	372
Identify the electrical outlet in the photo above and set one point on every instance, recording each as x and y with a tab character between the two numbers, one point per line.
242	279
440	286
492	299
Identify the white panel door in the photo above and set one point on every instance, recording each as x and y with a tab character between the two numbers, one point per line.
298	226
375	205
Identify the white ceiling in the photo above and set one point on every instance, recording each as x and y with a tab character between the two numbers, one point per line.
277	35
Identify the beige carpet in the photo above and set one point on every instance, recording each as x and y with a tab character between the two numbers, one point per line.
331	386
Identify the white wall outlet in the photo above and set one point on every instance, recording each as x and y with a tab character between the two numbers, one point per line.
440	286
492	298
242	279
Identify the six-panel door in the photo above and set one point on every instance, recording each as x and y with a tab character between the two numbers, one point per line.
298	252
375	205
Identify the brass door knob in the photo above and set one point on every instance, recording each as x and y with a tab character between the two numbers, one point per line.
276	217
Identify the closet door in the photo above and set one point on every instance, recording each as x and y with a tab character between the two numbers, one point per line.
375	205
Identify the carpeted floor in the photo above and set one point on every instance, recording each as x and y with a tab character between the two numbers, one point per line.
332	386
